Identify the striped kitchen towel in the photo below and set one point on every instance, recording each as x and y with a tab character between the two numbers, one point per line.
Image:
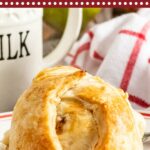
119	52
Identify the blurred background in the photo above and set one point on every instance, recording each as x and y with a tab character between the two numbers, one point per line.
55	21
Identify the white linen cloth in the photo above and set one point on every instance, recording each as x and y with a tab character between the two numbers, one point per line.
119	52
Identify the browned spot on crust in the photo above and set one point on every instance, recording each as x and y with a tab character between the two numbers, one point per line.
61	120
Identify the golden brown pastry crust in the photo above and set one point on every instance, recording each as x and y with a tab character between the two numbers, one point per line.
35	114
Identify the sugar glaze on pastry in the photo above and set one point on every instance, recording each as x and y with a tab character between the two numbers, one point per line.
68	109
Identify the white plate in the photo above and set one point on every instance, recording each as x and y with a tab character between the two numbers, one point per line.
5	121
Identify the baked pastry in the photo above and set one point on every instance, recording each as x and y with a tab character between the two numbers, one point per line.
68	109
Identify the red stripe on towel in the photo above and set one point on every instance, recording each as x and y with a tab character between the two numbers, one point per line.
132	33
145	114
91	34
138	101
97	55
84	47
132	60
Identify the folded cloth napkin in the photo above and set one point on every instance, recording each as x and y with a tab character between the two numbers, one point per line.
119	52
